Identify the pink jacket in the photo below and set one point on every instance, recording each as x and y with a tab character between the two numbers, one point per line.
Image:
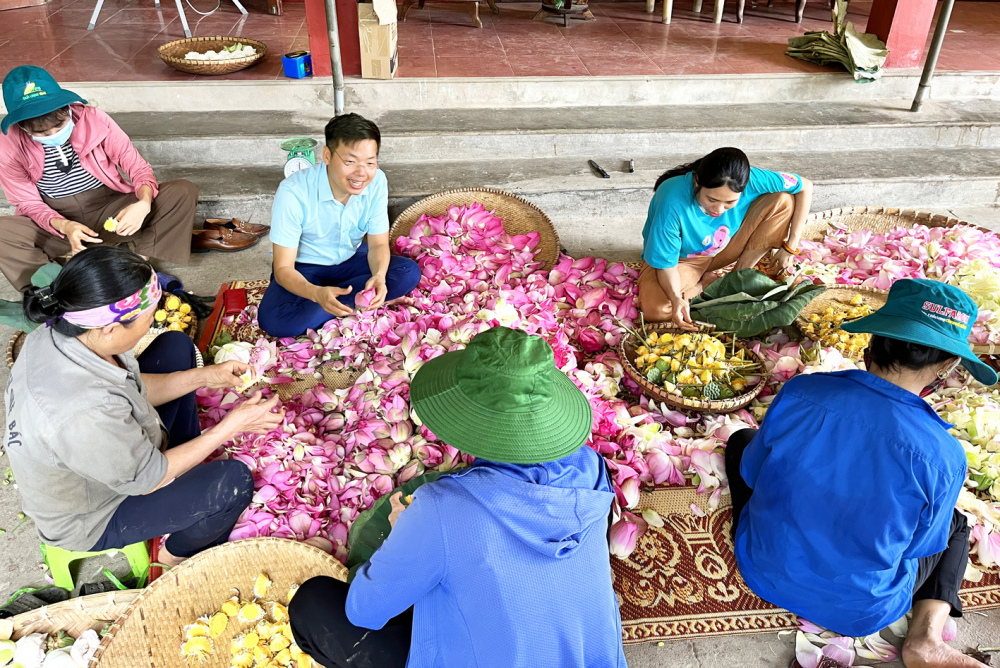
103	149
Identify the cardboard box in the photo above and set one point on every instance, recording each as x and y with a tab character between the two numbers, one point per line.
379	36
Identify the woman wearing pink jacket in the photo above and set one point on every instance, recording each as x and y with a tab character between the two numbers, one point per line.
61	165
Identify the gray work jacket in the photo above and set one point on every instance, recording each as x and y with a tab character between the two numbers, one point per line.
81	437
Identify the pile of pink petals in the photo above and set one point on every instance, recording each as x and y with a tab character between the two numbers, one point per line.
878	260
338	451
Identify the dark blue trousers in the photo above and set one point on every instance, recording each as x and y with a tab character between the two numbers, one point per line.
282	313
198	509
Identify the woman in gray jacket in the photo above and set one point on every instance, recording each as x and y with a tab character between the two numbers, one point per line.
107	449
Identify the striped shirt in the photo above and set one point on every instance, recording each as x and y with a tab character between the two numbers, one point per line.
63	175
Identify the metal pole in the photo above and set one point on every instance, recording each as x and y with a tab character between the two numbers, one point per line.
335	61
932	55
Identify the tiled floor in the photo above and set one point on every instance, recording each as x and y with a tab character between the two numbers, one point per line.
123	45
439	41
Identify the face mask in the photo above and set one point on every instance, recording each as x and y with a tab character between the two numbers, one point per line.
59	138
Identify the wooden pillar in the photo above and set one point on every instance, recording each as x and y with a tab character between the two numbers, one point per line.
904	26
319	42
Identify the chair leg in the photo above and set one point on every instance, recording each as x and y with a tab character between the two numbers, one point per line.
156	4
650	6
138	558
668	10
184	21
406	7
93	17
740	6
800	10
240	7
493	6
720	6
475	14
697	6
58	562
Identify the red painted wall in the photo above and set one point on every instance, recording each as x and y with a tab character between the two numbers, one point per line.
319	43
904	26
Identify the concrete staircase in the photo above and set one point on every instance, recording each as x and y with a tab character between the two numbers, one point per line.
438	135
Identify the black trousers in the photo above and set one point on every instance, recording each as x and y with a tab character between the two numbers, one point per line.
939	576
318	615
199	508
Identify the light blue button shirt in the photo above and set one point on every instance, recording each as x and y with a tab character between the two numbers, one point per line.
306	216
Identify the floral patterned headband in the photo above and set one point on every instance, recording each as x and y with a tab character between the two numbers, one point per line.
124	310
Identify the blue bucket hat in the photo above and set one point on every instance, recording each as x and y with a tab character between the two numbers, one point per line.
30	92
932	314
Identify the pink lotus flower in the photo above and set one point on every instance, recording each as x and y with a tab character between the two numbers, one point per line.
624	534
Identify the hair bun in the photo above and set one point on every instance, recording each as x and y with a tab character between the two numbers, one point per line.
41	304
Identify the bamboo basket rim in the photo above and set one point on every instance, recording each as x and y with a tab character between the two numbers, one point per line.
60	616
828	296
260	47
653	391
144	605
819	222
548	249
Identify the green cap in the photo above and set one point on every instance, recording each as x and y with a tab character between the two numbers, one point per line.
930	313
29	92
502	399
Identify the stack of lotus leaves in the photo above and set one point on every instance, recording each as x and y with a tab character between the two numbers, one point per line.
696	365
824	327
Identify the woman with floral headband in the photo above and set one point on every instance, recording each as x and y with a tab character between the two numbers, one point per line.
107	449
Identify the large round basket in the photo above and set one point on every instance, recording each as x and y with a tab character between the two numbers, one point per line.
172	53
150	633
75	615
653	391
870	296
878	219
14	347
519	216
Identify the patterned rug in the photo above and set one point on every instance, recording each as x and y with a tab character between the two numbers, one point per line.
681	581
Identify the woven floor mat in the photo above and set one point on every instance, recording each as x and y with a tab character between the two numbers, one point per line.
681	582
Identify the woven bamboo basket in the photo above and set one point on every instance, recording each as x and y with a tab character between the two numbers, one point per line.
172	53
14	347
878	219
75	615
870	296
150	633
653	391
519	216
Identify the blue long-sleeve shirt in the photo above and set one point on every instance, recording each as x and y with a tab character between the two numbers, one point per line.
854	479
505	565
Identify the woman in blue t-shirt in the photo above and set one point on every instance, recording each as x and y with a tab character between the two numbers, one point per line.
709	214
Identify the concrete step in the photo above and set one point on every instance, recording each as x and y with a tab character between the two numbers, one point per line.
371	95
606	215
252	138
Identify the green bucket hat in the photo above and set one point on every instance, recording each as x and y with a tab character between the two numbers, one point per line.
930	313
502	399
29	92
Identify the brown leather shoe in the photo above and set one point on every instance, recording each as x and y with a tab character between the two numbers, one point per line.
237	225
223	240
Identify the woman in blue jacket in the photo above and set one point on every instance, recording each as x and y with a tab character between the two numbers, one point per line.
844	501
502	564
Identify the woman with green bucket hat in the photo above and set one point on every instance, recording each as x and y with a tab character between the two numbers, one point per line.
61	166
502	564
844	500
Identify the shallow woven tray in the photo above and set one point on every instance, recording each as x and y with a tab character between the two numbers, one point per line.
75	615
653	391
150	633
519	216
843	295
878	219
172	53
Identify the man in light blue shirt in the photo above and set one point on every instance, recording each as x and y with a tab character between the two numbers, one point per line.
319	223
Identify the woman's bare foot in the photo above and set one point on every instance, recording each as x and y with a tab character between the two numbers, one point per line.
924	647
164	557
